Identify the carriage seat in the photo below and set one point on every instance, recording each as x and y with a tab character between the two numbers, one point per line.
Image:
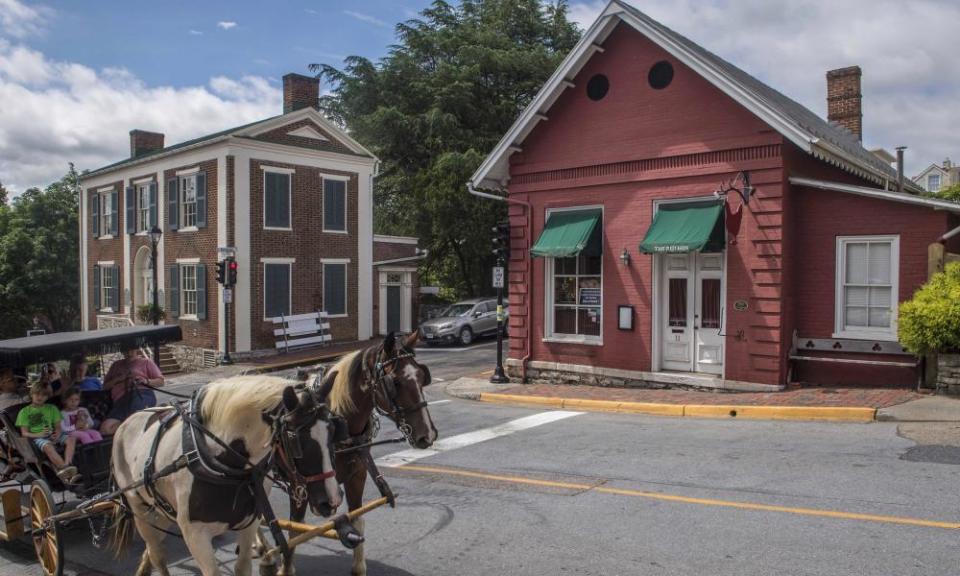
13	444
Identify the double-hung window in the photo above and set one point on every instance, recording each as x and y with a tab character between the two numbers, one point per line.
188	290
334	204
143	207
933	182
335	288
576	298
276	198
107	288
188	201
868	270
276	289
106	213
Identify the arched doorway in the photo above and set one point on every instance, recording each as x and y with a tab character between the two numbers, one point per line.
142	279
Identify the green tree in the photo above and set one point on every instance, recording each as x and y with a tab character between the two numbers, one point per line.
950	193
39	258
435	106
3	195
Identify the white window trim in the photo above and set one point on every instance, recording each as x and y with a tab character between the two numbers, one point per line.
139	181
188	172
345	262
188	229
288	262
885	334
288	172
181	264
101	193
105	264
346	198
138	207
548	282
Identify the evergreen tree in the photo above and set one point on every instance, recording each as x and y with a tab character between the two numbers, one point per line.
435	106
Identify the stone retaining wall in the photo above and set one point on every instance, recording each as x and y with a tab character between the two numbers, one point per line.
948	374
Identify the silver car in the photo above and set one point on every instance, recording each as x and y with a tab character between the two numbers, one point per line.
463	322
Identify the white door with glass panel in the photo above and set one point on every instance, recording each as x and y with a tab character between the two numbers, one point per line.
691	312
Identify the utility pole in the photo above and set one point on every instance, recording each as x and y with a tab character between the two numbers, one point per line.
501	248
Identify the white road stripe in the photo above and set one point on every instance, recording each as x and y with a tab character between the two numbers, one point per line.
461	440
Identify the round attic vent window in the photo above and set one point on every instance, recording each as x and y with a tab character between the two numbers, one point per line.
660	76
597	87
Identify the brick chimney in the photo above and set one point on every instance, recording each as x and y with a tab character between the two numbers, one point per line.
143	142
300	91
843	99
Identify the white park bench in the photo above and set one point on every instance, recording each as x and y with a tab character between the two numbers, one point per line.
302	330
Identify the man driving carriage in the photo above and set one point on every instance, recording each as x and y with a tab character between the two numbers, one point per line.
130	381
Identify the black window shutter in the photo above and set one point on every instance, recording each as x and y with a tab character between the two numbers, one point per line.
96	288
95	214
201	200
201	292
269	199
115	213
173	290
277	290
153	204
131	211
334	292
115	291
334	193
342	206
173	204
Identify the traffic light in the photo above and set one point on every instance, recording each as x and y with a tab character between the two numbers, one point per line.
501	240
231	272
221	272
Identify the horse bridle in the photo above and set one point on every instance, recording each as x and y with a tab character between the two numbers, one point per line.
385	383
287	442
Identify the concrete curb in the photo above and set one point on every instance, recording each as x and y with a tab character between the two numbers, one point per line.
808	413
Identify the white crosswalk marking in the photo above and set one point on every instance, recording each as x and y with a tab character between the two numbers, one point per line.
461	440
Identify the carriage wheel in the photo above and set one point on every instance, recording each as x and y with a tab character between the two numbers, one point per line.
46	534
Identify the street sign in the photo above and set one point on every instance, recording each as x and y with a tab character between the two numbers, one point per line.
228	295
498	276
226	252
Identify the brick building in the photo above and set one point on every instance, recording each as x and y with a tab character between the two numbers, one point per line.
292	194
628	267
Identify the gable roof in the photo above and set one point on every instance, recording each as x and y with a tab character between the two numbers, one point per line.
809	132
929	169
245	130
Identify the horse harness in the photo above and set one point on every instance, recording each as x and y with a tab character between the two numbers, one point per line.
385	384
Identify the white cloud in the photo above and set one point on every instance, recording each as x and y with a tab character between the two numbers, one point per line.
59	112
366	18
907	50
195	33
18	20
226	24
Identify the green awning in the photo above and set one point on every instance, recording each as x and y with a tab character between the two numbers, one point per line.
567	233
685	227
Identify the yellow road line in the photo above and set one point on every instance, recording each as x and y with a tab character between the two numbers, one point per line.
685	499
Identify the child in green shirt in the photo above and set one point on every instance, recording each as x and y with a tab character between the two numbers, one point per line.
41	423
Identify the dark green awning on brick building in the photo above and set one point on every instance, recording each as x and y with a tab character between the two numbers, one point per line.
568	233
685	227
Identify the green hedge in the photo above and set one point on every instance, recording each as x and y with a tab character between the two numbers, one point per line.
930	321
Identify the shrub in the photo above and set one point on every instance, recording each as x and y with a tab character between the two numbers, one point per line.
146	312
930	321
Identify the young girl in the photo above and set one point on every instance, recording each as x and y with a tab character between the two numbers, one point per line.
40	422
76	420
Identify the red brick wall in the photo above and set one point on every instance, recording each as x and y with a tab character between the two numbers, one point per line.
624	151
101	250
281	136
136	242
308	244
200	244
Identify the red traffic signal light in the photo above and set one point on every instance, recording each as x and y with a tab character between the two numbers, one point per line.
232	272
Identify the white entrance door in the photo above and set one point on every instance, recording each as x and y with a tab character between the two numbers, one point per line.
691	312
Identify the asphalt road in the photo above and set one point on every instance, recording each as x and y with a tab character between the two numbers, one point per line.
521	491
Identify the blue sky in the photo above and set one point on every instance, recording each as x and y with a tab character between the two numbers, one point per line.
180	43
76	77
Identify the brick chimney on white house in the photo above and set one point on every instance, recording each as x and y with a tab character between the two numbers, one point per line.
300	91
143	142
844	99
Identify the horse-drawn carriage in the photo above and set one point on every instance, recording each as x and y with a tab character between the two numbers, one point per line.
177	464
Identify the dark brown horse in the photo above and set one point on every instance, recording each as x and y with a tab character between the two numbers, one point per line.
385	379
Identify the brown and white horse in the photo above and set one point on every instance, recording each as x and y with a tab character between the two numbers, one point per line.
386	379
256	417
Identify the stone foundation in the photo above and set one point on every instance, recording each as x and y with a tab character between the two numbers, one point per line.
190	358
948	374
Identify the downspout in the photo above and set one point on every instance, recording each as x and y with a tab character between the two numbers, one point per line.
943	239
529	225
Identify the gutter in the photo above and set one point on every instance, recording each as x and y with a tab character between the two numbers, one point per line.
529	226
423	254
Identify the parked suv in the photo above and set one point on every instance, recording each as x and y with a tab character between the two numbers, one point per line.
463	322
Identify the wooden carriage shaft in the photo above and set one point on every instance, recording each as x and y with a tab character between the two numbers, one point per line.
85	512
308	531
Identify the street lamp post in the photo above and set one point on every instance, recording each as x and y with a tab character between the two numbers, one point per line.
155	234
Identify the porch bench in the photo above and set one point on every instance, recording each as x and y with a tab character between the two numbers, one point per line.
826	350
302	330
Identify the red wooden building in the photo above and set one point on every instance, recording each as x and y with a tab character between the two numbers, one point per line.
627	266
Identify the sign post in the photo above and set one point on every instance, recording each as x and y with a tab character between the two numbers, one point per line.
501	243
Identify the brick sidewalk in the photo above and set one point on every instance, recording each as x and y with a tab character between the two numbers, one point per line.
842	397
